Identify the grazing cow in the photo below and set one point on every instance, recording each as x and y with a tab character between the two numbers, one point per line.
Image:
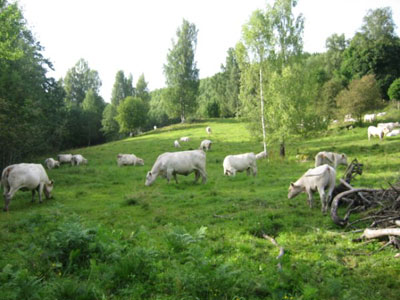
394	132
64	158
208	129
331	158
78	159
129	159
390	125
348	118
262	154
321	178
369	118
381	114
205	145
377	131
25	176
176	144
170	164
51	163
240	163
185	139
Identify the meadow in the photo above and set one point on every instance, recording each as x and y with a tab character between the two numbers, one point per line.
105	235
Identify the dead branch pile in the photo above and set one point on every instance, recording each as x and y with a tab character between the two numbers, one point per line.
381	207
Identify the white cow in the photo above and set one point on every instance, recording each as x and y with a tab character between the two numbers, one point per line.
348	118
240	163
394	132
64	158
129	159
208	129
155	127
389	125
331	158
51	163
25	176
377	131
205	145
262	154
381	114
321	178
369	118
170	164
185	139
176	144
78	159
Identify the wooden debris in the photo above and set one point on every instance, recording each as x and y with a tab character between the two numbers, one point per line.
281	250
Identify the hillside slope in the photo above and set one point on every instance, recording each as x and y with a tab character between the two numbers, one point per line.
105	234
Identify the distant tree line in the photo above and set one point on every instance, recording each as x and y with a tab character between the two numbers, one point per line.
266	76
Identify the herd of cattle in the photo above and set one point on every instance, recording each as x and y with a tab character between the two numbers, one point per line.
321	178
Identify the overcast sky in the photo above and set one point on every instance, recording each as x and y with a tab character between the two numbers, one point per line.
135	35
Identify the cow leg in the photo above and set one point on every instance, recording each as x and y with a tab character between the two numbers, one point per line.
322	195
254	170
33	195
310	198
175	177
197	175
40	191
8	196
203	175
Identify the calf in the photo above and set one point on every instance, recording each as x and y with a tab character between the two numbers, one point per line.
129	159
25	176
205	145
239	163
331	158
170	164
78	159
64	158
321	178
51	163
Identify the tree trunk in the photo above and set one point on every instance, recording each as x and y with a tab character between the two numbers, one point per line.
262	111
282	149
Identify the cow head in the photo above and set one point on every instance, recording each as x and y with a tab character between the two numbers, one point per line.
294	190
150	177
48	187
140	162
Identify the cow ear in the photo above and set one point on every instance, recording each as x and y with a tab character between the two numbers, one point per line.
292	184
343	155
51	182
150	173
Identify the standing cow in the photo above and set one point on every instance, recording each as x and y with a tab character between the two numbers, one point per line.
208	130
170	164
64	158
205	145
78	159
331	158
25	176
51	163
321	179
239	163
129	159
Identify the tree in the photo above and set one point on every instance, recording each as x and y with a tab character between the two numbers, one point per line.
132	114
229	99
374	50
361	96
394	90
109	124
122	88
79	80
93	106
142	90
274	38
182	75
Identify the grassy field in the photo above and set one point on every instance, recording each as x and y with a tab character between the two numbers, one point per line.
105	235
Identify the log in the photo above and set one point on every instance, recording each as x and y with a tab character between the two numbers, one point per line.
375	233
281	250
335	204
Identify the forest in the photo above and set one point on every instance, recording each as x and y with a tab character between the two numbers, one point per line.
353	76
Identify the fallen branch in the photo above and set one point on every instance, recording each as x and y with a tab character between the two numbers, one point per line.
375	233
281	250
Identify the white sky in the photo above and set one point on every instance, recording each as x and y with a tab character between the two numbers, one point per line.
135	35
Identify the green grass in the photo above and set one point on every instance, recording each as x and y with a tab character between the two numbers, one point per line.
105	235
